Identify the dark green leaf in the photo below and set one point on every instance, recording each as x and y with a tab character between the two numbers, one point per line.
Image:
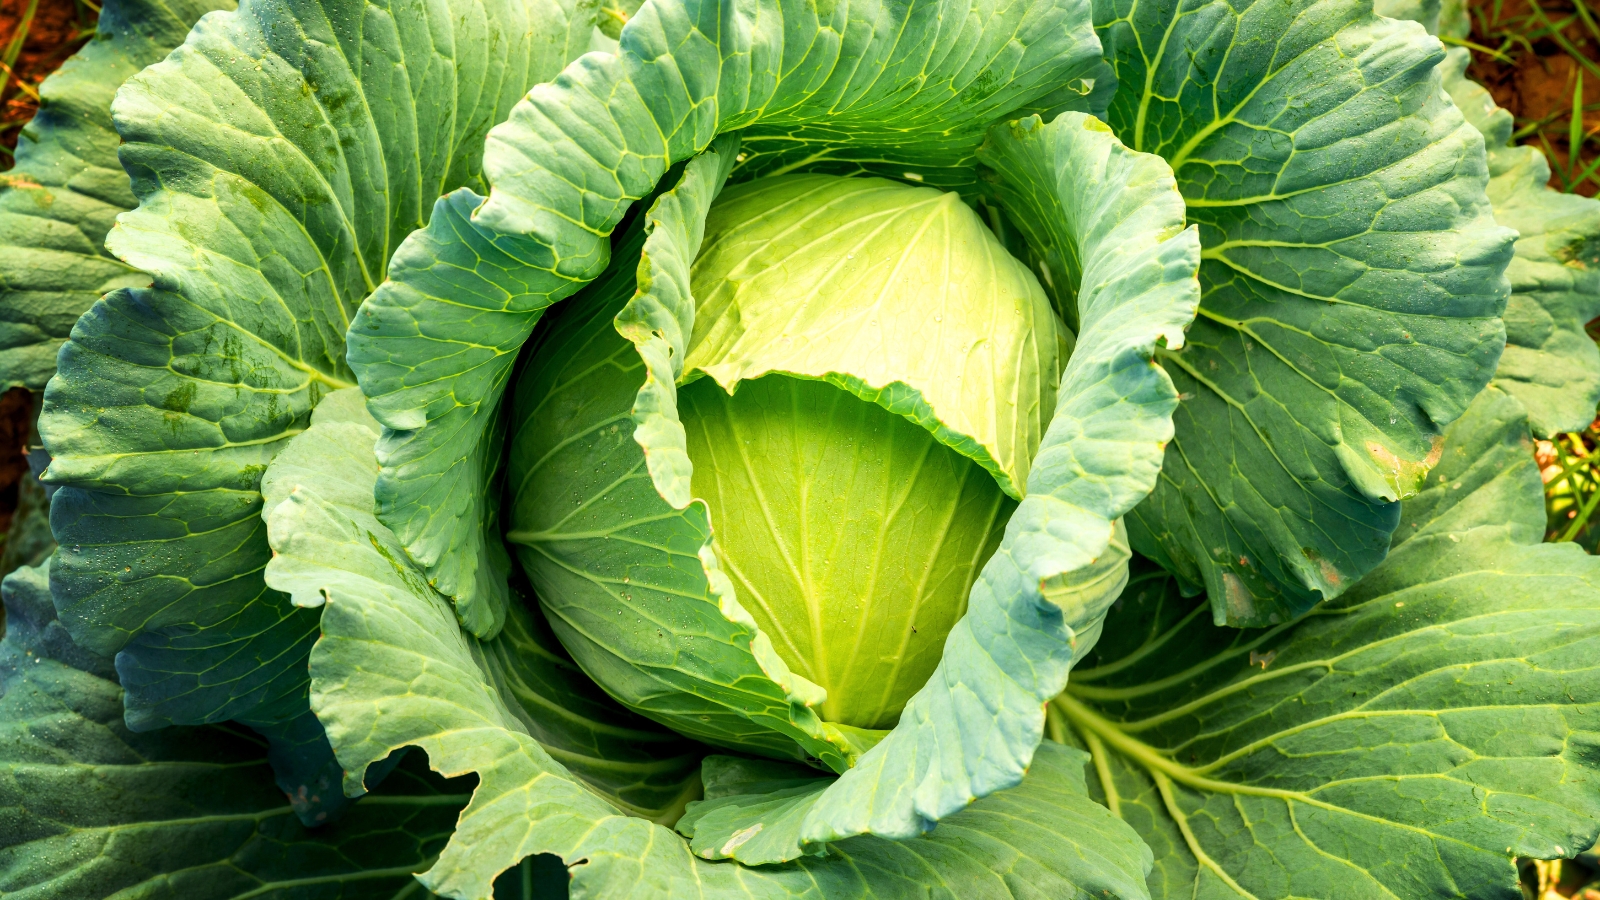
1405	740
319	496
61	197
1353	280
280	155
394	669
89	809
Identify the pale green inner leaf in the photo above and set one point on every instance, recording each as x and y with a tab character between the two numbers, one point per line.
851	534
899	294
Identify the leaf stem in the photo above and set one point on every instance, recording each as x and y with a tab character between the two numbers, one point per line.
1458	42
1102	769
1575	135
1560	38
1582	518
26	88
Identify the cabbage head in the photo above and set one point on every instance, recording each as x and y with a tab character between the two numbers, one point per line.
858	428
777	448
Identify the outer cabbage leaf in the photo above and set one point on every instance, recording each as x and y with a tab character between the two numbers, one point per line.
395	669
1353	280
434	347
59	200
89	808
1404	740
780	148
753	809
1454	20
279	156
1550	364
639	766
1423	12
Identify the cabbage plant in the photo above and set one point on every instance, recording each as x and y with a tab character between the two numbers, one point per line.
702	449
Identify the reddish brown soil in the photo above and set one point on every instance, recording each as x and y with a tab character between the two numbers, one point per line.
1534	76
56	29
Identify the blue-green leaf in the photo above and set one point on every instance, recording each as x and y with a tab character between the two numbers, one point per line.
1406	739
61	197
91	809
394	669
1550	363
753	810
279	156
319	503
1353	281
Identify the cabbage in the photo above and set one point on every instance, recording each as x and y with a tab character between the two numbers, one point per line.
791	449
854	443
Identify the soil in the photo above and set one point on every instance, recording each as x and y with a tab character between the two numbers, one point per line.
1534	73
51	30
16	421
